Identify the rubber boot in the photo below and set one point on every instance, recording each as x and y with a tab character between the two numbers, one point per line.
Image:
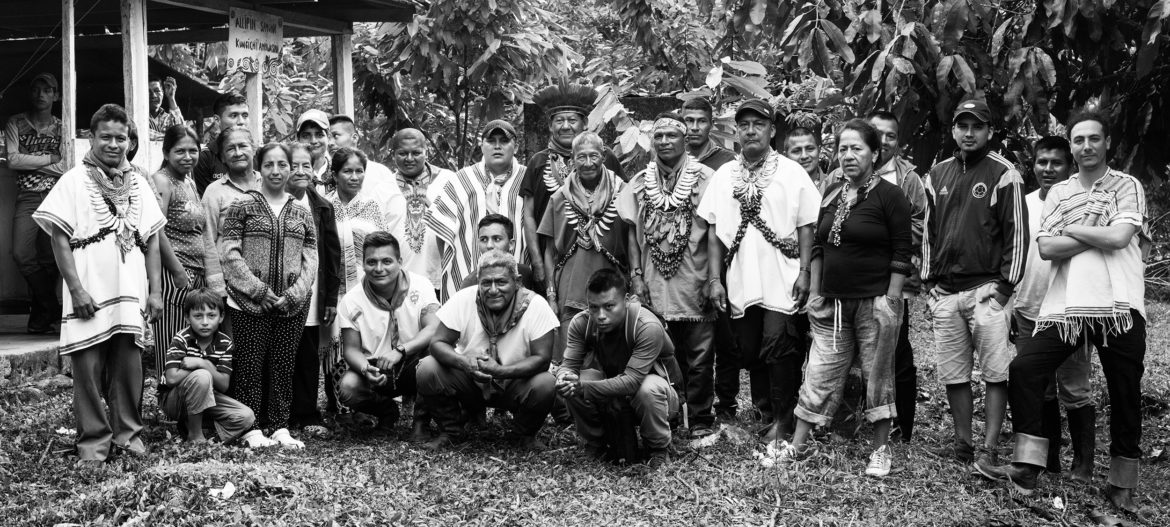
1051	426
906	402
1082	427
1028	460
1123	478
784	378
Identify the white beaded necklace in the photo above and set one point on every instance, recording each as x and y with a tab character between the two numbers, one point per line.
682	188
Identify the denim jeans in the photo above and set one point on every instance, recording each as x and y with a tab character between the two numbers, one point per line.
844	329
32	248
1123	362
1073	384
694	348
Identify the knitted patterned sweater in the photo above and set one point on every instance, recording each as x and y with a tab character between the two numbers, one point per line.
263	252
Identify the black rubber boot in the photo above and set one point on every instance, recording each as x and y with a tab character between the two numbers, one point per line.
1082	426
1052	430
906	402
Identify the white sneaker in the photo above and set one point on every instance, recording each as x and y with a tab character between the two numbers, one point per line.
786	453
879	462
256	439
282	436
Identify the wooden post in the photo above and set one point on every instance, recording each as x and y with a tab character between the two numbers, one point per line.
254	92
136	75
342	51
68	84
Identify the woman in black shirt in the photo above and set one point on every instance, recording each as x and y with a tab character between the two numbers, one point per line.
861	257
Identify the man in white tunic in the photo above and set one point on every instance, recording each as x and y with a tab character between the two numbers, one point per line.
103	219
763	207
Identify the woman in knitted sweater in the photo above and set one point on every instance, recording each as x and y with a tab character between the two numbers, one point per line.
189	257
269	248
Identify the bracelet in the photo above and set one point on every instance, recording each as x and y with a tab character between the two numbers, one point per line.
804	269
637	271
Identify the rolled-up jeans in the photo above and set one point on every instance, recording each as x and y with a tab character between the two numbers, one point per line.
843	329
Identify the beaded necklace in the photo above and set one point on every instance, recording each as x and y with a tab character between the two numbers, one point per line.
117	211
553	173
844	206
748	184
682	188
417	206
677	207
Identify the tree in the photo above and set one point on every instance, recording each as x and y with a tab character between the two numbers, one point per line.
461	62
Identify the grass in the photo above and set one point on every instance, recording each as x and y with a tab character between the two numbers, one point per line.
357	479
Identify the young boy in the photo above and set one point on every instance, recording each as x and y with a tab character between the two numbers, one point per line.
198	369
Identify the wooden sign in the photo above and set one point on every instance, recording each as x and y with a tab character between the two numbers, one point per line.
254	40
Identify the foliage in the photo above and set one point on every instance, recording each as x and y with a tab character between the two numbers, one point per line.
479	60
362	479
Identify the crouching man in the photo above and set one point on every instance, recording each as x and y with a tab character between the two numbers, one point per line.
386	325
618	356
491	348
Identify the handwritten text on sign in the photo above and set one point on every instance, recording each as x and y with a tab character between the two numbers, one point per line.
254	40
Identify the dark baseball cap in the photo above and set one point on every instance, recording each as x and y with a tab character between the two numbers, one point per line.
758	106
500	125
976	108
46	78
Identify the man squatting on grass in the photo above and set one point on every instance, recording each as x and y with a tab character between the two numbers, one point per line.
618	356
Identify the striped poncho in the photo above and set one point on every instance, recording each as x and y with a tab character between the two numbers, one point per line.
465	199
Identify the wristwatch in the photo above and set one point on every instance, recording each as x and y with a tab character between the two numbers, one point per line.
400	349
637	271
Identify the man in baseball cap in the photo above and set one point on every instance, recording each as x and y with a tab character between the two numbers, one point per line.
313	132
973	257
33	140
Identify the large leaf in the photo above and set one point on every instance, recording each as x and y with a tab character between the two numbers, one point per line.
759	8
837	38
714	77
748	67
747	87
965	75
943	72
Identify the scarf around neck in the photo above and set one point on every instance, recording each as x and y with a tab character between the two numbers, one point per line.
114	203
559	150
596	202
498	324
388	304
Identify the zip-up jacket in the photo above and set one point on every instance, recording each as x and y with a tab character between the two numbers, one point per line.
328	250
264	252
976	224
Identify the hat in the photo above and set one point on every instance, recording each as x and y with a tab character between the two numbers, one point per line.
978	109
316	117
46	78
501	125
565	97
758	106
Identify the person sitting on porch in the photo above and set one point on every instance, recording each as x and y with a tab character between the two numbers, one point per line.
162	93
33	140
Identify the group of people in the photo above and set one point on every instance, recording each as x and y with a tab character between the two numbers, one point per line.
614	300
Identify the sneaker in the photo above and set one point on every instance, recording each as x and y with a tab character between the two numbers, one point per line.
959	450
879	462
788	453
317	431
256	439
284	439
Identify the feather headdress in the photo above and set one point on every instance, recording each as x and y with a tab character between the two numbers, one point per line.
565	97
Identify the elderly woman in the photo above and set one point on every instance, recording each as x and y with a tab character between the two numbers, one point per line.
187	248
322	301
269	248
863	244
236	152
